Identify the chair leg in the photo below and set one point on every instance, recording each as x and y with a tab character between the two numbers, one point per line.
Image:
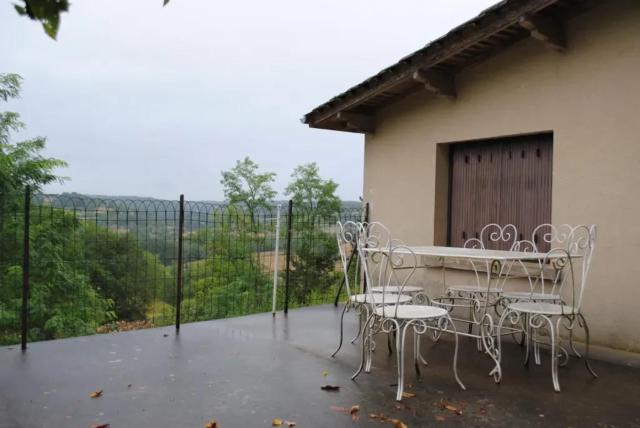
359	332
455	353
344	310
362	348
400	338
416	352
527	333
497	371
586	351
553	335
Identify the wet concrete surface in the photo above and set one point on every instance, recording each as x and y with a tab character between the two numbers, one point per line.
244	372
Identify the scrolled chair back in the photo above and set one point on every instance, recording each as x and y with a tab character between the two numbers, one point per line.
347	235
579	242
558	273
494	235
402	263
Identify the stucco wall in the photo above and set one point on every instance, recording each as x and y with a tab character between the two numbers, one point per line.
589	96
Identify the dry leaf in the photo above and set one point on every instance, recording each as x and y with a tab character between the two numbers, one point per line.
101	426
291	424
354	409
339	409
330	388
96	394
276	422
408	395
397	423
212	424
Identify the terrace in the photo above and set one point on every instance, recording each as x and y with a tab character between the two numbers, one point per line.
246	371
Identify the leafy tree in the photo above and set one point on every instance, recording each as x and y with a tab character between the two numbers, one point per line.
21	163
245	186
316	251
121	271
47	12
62	301
310	192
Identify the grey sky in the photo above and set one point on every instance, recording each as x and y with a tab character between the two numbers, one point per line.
151	101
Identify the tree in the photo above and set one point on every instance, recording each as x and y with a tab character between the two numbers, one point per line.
309	191
47	12
245	186
316	251
21	163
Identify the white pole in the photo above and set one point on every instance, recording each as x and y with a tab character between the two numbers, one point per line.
275	263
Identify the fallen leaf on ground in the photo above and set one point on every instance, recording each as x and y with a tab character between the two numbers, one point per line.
354	412
96	394
101	426
212	424
450	407
408	395
276	422
339	409
325	373
291	424
330	388
397	423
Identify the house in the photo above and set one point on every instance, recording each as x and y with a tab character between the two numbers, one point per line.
528	113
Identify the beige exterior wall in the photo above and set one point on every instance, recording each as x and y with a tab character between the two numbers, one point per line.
589	96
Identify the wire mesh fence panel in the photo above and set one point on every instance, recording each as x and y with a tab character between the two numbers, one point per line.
11	248
111	264
316	272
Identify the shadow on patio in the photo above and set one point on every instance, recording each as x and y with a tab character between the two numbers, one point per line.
244	372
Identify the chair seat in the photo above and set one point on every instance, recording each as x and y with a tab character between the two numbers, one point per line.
526	295
411	312
394	289
379	298
543	308
472	289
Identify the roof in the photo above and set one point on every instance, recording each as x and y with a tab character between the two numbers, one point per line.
434	66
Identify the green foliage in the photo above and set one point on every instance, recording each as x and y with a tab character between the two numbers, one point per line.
310	192
21	163
62	301
47	12
120	270
230	281
316	250
244	185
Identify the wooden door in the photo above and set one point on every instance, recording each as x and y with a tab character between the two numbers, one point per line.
500	181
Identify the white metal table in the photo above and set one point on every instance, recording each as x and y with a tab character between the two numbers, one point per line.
499	264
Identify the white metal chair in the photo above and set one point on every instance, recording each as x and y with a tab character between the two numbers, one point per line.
490	235
569	267
396	317
349	235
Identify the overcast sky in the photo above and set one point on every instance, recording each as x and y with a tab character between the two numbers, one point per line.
152	101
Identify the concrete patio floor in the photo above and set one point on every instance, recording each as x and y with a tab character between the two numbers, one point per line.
244	372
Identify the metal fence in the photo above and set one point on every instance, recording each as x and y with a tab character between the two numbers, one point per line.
73	265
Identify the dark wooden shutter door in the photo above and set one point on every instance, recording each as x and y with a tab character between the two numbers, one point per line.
500	181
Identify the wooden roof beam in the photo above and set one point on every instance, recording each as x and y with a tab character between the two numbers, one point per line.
357	122
440	82
548	30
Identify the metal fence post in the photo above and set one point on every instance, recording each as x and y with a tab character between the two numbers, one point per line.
276	263
25	269
288	259
179	266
